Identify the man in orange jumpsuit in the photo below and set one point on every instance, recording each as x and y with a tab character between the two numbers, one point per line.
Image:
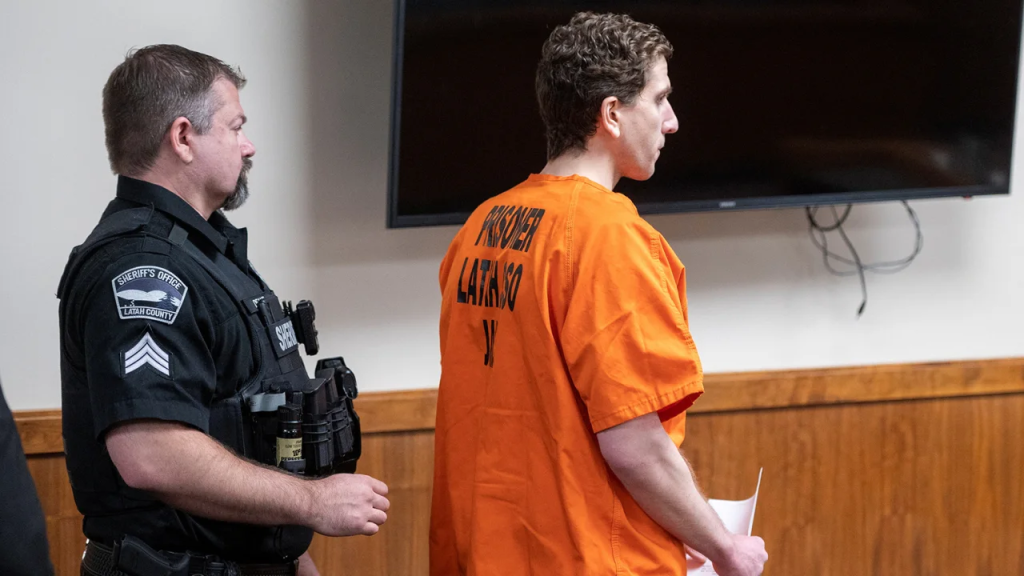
567	362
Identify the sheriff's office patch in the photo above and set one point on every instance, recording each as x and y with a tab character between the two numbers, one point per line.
149	293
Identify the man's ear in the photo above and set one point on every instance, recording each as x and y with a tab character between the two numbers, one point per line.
182	139
608	116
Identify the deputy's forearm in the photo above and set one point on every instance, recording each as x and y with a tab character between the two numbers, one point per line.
194	473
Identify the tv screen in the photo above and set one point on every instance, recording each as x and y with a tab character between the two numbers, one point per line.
780	102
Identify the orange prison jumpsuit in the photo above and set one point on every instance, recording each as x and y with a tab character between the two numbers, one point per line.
563	314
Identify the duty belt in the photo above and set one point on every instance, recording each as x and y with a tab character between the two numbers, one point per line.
98	560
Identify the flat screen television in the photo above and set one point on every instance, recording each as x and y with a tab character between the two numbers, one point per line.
780	102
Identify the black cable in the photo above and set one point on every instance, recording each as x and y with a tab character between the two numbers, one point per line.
817	232
880	267
856	259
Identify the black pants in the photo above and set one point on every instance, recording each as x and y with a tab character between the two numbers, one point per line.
25	551
99	561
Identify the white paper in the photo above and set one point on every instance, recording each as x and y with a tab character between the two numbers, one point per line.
738	517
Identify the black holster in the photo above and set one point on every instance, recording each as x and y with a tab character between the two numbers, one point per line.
133	557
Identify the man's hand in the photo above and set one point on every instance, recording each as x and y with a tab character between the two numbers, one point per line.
349	504
746	558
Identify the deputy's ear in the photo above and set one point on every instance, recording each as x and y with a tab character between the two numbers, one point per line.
608	116
182	139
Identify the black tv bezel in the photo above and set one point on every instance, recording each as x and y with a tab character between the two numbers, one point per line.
396	220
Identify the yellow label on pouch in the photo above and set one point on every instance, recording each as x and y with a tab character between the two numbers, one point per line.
289	449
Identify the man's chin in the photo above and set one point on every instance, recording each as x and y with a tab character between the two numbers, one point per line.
640	175
236	199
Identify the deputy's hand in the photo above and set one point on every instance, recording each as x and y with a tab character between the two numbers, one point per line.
746	558
348	504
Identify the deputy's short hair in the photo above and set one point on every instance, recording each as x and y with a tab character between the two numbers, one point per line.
149	90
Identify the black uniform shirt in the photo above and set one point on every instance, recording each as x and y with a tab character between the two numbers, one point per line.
146	332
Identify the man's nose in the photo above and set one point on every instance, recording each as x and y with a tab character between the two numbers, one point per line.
671	124
248	148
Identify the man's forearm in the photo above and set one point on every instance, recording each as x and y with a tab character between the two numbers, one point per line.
669	495
194	473
655	473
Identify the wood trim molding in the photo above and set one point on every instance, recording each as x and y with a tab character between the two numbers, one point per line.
379	412
400	411
860	384
407	410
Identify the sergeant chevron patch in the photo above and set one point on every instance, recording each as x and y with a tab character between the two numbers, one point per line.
147	352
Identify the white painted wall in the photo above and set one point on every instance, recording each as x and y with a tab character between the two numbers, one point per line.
318	101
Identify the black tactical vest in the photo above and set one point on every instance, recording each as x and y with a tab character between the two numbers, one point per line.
245	419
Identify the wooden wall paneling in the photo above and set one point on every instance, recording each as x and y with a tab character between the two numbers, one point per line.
40	431
401	411
404	461
903	469
63	522
921	487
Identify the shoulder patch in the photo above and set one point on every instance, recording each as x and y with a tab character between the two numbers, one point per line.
148	293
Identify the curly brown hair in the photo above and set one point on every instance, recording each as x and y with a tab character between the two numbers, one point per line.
592	57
